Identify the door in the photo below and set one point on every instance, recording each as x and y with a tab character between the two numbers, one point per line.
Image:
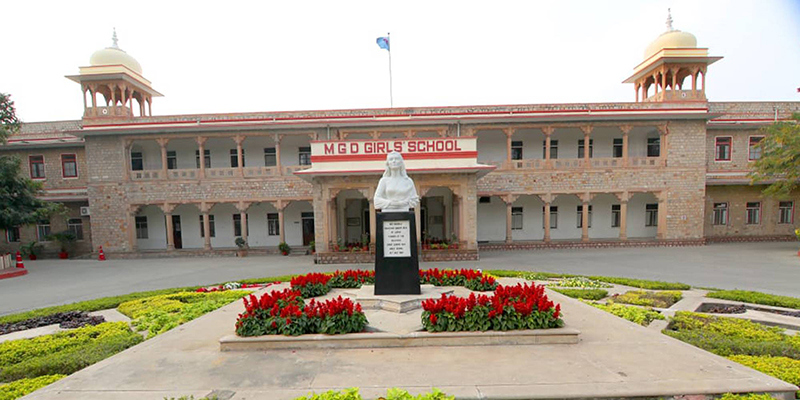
308	227
176	231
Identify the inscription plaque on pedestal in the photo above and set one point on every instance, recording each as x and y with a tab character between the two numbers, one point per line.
396	260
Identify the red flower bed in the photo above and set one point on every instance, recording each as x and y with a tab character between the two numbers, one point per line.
285	313
510	307
469	278
352	278
311	285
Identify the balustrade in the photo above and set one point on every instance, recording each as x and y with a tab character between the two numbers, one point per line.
644	161
212	173
146	175
183	173
258	172
288	170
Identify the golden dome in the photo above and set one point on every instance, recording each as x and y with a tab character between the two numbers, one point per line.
671	39
115	56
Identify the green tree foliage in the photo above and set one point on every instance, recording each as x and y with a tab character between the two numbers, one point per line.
780	158
9	124
18	197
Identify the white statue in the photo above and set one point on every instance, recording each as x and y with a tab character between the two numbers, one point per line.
396	191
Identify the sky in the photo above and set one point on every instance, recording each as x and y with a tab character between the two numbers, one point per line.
237	56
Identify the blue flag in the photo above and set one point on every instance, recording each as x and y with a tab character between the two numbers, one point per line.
383	42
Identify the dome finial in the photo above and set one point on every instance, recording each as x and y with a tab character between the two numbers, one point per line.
114	39
669	21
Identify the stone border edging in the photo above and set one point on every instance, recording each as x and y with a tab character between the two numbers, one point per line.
13	274
564	335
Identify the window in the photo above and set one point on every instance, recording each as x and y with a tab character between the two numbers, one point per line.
12	235
206	158
553	217
270	159
722	148
617	150
75	225
235	159
653	147
786	212
273	225
237	225
516	218
616	215
37	167
137	161
580	217
516	150
43	230
581	145
69	166
754	152
211	230
485	199
553	149
651	215
141	227
753	213
304	155
720	214
172	159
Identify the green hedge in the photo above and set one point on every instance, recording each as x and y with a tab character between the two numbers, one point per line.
783	368
159	314
732	336
22	387
757	298
642	283
63	352
660	299
587	294
391	394
750	396
636	315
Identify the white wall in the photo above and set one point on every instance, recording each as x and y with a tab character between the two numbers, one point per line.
531	219
156	229
257	223
491	146
292	221
492	220
636	216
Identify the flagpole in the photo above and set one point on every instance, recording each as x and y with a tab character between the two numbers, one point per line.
391	95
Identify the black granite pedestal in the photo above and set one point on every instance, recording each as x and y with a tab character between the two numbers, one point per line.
396	259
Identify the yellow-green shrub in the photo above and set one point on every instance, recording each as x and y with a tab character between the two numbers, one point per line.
783	368
637	315
660	299
22	387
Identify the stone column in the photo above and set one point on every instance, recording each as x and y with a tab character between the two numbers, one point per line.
626	129
205	208
127	144
332	223
663	130
585	218
548	132
547	220
93	91
278	154
281	225
113	89
239	156
661	232
623	215
372	222
456	218
509	236
163	143
703	79
509	133
587	129
201	144
132	228
242	207
168	208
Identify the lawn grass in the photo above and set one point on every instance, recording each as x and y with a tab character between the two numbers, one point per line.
587	294
642	283
757	298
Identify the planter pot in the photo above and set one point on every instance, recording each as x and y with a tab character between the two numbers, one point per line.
365	248
241	253
63	255
286	253
32	257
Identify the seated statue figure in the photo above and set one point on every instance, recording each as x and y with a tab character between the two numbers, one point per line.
396	191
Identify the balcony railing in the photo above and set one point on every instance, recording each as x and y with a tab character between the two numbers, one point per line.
528	164
291	169
644	161
606	162
146	175
574	163
212	173
260	172
567	163
183	173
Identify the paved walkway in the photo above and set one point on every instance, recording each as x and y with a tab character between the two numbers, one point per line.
769	267
615	358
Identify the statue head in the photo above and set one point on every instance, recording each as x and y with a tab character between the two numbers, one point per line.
395	166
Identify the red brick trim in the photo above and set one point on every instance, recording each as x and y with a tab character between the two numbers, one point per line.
737	239
13	273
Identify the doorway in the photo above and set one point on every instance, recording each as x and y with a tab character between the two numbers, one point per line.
307	219
176	231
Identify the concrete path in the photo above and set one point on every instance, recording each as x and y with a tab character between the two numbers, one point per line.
615	358
768	267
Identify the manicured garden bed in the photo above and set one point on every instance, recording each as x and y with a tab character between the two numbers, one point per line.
660	299
22	387
586	294
66	320
391	394
757	298
637	315
637	283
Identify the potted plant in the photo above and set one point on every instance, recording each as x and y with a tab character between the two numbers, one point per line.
30	249
284	248
797	233
65	240
454	242
339	245
364	242
312	246
242	245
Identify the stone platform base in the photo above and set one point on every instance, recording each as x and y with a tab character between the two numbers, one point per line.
591	244
391	340
399	303
344	257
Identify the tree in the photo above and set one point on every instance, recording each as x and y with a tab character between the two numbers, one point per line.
780	158
9	124
18	197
